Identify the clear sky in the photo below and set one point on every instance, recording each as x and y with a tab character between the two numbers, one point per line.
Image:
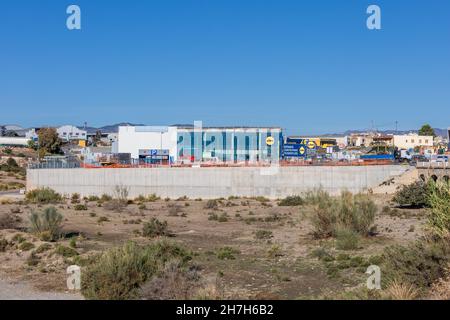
307	66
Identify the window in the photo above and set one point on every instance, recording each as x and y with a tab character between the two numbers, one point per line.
412	140
426	141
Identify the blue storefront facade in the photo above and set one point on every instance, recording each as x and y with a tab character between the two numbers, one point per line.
229	144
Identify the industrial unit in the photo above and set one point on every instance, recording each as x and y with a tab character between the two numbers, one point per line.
189	144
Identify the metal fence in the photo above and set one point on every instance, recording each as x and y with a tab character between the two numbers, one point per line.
54	165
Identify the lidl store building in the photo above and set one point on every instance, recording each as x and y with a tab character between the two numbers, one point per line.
189	144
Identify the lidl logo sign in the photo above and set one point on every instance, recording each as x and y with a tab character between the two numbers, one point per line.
311	145
302	150
270	141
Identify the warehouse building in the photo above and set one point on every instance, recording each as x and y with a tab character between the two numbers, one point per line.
188	144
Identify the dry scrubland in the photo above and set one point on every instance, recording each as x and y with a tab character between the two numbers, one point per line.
308	247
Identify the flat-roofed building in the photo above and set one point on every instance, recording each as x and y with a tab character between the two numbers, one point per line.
412	141
192	144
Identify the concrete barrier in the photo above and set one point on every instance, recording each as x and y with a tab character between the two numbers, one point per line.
208	183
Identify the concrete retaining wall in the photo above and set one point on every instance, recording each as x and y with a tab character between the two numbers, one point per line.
213	182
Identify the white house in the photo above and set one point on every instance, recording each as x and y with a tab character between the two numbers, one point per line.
412	140
69	133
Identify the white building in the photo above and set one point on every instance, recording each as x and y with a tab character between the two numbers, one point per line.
13	141
140	140
412	140
69	133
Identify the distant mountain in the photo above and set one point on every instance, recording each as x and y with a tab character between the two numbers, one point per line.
113	128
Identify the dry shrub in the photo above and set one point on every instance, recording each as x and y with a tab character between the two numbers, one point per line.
212	204
155	228
211	291
5	201
8	221
401	291
421	263
118	273
175	282
119	201
440	290
317	196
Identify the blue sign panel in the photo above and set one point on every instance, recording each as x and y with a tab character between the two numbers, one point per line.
295	150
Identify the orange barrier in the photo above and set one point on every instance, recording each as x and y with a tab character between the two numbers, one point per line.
250	165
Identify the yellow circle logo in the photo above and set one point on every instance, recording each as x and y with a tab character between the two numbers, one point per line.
311	145
302	150
270	141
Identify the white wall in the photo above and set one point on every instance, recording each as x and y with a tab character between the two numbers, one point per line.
410	141
132	139
13	141
208	183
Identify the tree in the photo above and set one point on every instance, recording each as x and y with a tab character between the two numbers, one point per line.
31	144
427	130
49	142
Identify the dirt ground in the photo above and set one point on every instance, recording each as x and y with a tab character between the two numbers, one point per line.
282	265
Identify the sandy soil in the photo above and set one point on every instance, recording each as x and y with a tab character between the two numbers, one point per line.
278	267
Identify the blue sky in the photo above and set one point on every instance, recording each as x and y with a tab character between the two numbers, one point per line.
307	66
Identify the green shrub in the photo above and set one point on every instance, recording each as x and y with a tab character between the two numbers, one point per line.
322	254
46	224
102	219
261	199
155	228
75	198
66	252
317	196
291	201
324	218
43	196
439	215
153	198
3	244
43	247
356	213
33	259
414	195
419	264
118	273
80	207
73	242
93	198
226	253
223	217
8	221
212	204
18	238
263	234
26	246
105	198
347	239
